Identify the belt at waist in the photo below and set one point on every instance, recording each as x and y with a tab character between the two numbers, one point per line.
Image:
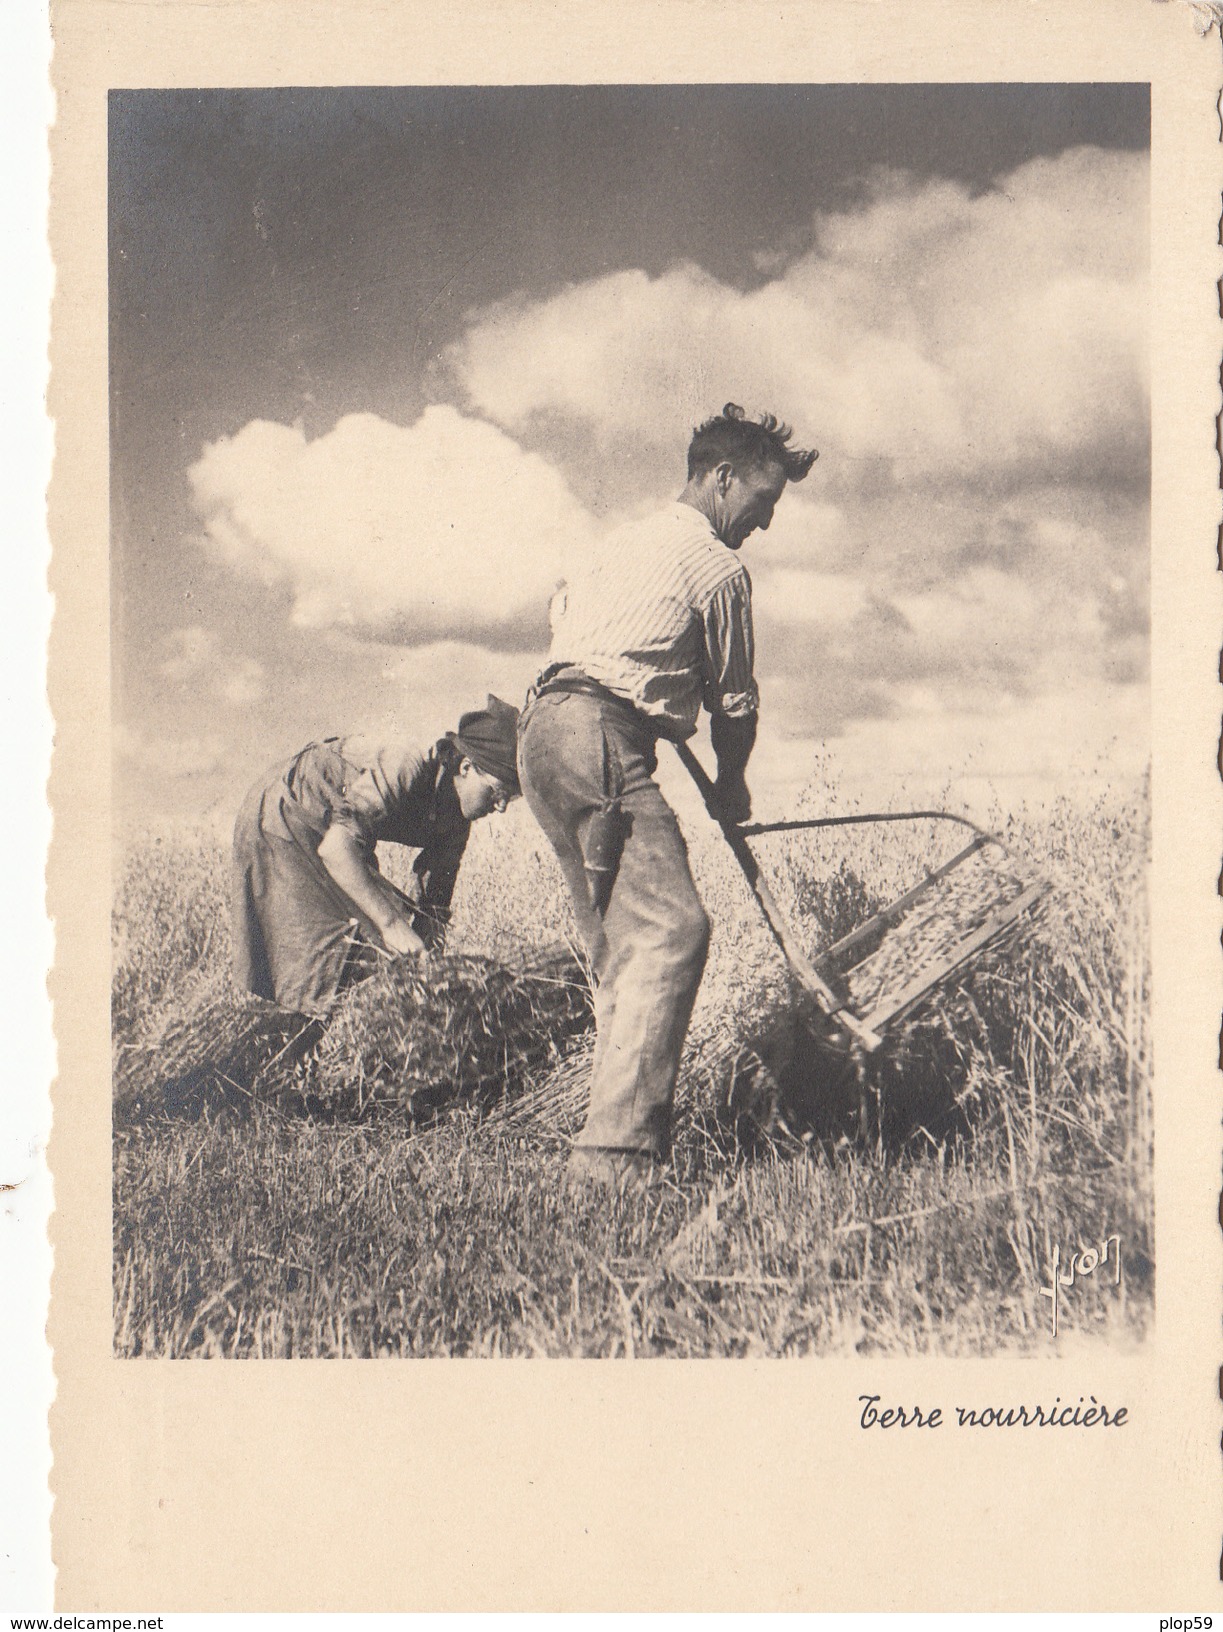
569	680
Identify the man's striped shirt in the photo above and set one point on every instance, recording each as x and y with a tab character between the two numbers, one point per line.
661	613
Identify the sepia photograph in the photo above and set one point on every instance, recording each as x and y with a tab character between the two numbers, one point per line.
629	642
635	807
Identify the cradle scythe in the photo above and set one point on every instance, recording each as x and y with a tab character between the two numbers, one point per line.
830	1002
827	978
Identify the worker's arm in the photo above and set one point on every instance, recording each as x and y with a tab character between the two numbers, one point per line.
730	691
733	739
343	855
436	869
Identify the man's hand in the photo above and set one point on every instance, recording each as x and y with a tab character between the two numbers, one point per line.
733	740
401	938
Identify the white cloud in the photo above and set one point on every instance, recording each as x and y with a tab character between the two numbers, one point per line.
806	530
965	753
423	689
973	369
442	528
819	599
932	333
988	623
965	571
1050	740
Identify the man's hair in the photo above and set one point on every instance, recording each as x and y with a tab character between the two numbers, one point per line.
749	444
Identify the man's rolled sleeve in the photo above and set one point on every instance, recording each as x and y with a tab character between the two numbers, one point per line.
730	650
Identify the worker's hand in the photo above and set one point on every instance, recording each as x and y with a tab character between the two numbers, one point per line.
733	801
400	937
732	741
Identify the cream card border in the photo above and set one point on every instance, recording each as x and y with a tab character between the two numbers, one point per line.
713	1485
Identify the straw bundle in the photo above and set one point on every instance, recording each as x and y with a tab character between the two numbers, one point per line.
414	1036
417	1036
213	1042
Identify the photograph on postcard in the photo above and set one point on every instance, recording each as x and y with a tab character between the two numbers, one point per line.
630	654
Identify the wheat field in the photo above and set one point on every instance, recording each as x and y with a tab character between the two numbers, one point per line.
394	1187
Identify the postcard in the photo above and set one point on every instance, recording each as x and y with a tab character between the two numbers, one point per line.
636	811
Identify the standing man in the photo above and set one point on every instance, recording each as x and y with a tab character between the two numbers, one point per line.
656	622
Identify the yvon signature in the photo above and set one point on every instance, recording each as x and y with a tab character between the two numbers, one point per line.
1082	1263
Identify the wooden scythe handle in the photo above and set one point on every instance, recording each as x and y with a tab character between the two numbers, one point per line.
806	975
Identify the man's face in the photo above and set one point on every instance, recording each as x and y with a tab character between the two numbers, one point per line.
748	501
479	794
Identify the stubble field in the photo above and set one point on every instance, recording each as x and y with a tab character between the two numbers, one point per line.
398	1191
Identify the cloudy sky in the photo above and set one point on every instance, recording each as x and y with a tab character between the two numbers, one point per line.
382	360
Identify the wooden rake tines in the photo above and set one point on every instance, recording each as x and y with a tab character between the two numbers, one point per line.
899	957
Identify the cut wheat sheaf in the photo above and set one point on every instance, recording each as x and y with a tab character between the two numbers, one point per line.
509	1040
454	1030
413	1038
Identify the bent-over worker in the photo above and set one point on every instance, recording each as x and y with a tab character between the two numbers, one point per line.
657	622
311	910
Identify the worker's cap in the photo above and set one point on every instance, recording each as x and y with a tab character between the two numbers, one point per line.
488	737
